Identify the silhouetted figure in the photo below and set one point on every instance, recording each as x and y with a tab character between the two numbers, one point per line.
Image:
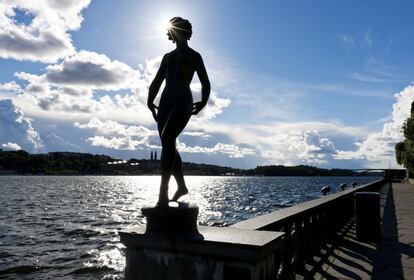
152	156
176	103
155	155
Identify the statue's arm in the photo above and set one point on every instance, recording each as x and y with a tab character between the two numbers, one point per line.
203	77
205	85
156	83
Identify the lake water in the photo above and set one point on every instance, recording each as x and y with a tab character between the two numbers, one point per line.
67	227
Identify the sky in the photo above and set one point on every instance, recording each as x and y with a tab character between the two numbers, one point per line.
322	83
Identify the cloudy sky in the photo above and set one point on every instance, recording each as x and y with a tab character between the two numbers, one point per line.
324	83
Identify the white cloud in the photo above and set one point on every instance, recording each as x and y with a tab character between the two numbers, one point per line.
70	87
199	134
378	147
151	67
132	137
283	143
113	127
16	128
11	146
63	89
91	70
215	104
318	144
81	72
296	147
46	36
118	143
232	150
11	86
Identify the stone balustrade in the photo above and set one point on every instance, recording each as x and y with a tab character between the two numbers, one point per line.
307	227
272	246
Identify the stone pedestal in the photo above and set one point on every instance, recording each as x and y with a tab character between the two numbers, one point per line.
180	218
172	247
219	254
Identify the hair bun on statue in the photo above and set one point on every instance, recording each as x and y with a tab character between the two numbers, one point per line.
180	29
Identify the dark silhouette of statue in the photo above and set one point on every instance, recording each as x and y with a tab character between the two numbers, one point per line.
176	104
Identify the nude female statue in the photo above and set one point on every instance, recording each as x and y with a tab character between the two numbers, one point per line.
176	104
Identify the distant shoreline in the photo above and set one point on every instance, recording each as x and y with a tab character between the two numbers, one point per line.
84	164
194	175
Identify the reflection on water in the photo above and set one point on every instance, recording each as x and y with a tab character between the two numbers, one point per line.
67	227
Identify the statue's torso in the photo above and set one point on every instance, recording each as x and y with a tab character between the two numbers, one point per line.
180	68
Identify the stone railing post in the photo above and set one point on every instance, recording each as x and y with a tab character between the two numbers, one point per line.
324	227
308	242
316	235
298	236
286	270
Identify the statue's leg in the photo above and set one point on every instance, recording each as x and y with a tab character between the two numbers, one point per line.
174	124
163	194
179	177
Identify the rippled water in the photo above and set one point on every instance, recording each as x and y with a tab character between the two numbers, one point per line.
67	227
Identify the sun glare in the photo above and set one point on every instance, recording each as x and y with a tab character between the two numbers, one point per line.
166	24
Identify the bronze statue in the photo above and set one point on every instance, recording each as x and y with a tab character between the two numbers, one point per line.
176	104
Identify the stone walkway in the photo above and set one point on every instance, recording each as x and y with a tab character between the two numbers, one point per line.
393	257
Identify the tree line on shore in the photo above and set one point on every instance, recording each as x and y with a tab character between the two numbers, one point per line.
404	151
69	163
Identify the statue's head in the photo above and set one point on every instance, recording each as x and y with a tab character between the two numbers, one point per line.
179	30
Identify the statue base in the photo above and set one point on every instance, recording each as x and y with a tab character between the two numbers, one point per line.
177	218
171	247
221	253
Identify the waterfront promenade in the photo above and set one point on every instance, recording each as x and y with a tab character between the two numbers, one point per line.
392	257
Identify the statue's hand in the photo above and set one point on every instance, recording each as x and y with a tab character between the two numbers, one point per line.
152	108
197	107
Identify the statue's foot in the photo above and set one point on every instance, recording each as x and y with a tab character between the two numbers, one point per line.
179	193
162	202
